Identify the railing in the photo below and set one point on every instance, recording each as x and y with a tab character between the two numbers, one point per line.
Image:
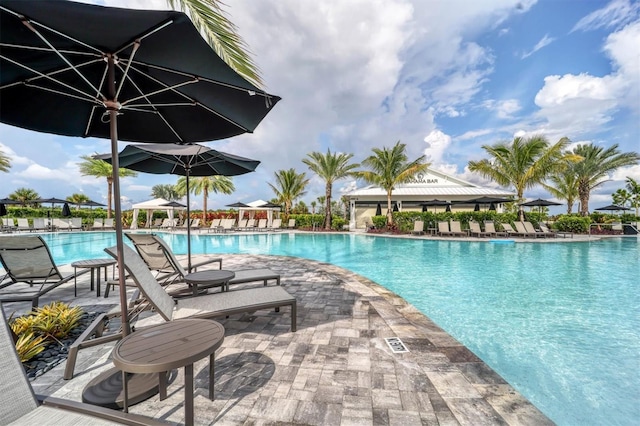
618	228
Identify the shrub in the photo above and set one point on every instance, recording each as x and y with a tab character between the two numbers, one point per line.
575	224
29	345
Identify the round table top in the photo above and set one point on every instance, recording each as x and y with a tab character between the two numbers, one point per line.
94	263
167	346
209	277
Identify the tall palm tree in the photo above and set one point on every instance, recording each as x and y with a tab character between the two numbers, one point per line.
221	34
621	197
99	168
390	167
523	163
168	192
77	199
205	185
24	196
5	162
633	187
564	186
330	168
594	168
290	185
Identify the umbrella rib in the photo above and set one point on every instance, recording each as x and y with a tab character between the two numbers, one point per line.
28	23
143	36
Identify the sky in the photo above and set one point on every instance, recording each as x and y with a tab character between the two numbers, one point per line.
443	77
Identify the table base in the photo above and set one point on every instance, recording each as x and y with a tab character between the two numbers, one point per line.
106	390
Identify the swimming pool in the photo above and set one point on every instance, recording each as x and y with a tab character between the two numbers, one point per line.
559	322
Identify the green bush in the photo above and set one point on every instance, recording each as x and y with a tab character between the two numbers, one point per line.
337	223
575	224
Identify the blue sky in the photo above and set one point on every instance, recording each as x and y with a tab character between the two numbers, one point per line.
443	77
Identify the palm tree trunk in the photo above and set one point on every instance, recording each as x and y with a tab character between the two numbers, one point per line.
109	195
583	193
327	213
204	206
389	212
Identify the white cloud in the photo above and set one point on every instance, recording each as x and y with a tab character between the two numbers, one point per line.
614	14
622	173
545	41
437	144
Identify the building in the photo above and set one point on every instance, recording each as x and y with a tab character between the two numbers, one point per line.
431	185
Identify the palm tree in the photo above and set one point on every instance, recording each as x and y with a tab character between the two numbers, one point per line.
523	163
390	167
168	192
634	189
100	168
564	187
77	199
290	186
330	167
221	34
205	185
5	162
24	196
621	197
594	168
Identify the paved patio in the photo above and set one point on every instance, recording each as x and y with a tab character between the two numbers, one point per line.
336	369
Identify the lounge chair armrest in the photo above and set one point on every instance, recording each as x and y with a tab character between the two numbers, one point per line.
102	413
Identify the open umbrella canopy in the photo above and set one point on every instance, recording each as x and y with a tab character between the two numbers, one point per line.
613	207
49	200
487	200
9	201
237	205
92	203
174	204
540	203
83	70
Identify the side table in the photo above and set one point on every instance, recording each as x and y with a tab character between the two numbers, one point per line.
163	347
210	278
93	264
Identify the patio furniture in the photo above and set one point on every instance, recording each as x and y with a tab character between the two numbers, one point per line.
23	224
490	228
531	230
291	224
214	226
474	229
207	306
175	344
204	280
262	225
276	225
456	229
510	231
29	269
94	265
75	223
8	225
521	230
108	223
418	227
97	224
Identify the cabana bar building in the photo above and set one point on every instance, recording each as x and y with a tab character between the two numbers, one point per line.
428	186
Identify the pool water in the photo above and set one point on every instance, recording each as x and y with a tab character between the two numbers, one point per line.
559	321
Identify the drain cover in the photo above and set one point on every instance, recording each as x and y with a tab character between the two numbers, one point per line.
396	345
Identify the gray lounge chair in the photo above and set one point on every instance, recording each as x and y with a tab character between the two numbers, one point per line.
418	227
522	230
490	228
20	405
474	229
29	269
206	306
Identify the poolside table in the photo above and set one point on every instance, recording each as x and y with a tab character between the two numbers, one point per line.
94	264
210	278
161	348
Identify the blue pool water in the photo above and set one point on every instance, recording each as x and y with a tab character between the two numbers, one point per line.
559	321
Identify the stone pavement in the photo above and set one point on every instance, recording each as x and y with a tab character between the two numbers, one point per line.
337	369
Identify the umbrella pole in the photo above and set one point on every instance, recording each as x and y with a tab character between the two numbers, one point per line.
188	224
115	162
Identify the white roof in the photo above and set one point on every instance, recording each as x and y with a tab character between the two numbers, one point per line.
257	203
155	204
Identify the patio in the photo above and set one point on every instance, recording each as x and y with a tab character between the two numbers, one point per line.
336	369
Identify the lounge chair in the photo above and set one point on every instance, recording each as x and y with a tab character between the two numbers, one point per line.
617	228
276	225
61	224
418	227
474	229
23	225
20	405
531	230
75	223
215	225
29	269
456	229
242	225
490	229
227	225
510	231
291	224
262	225
205	306
39	224
108	223
546	231
521	230
159	258
97	224
8	225
443	228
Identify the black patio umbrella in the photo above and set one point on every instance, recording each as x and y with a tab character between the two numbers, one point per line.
49	200
3	210
66	211
9	201
120	74
379	210
492	206
173	204
488	200
448	209
271	206
184	160
395	207
476	208
613	207
237	205
539	202
435	203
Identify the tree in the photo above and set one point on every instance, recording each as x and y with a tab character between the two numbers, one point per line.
621	197
523	163
100	168
221	34
565	187
290	185
594	167
633	187
330	168
168	192
388	168
77	199
24	196
205	185
5	162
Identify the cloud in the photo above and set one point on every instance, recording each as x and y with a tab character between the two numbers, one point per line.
615	14
437	144
545	41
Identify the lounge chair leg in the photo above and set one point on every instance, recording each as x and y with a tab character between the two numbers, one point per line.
294	317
